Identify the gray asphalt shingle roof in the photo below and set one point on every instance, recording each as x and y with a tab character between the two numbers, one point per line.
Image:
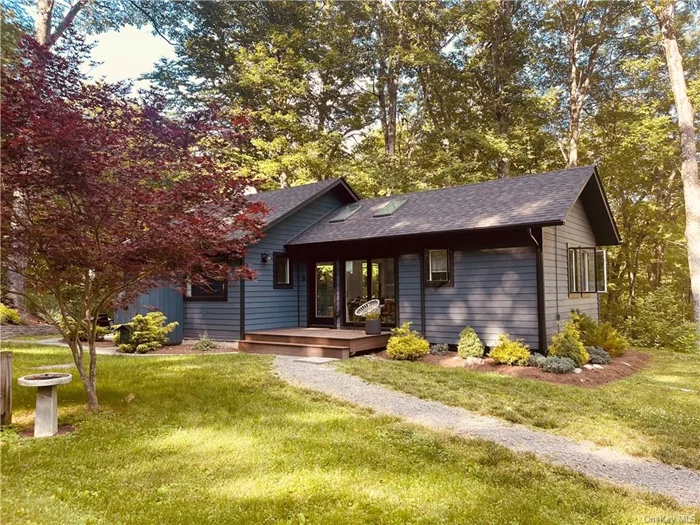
519	201
284	201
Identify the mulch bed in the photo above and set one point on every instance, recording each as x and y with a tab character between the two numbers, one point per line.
189	349
629	363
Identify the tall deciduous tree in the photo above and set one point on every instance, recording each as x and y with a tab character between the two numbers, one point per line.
666	16
53	20
107	197
577	33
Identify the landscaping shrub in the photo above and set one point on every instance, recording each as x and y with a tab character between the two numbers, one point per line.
567	343
601	335
661	322
148	332
508	352
440	349
609	339
536	360
598	356
558	365
585	325
469	344
69	326
9	315
406	344
204	344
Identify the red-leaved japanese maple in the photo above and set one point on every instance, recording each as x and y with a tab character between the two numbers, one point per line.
105	197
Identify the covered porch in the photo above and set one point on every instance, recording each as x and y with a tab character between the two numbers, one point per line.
312	342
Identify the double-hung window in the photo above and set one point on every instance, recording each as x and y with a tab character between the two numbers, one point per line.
438	267
587	270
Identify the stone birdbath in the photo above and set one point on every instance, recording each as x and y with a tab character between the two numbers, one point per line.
46	419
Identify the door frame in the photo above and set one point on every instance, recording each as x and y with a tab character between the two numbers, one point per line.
312	318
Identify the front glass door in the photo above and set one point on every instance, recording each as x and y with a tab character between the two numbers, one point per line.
324	310
355	289
367	279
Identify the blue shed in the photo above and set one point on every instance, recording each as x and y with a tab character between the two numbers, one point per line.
166	300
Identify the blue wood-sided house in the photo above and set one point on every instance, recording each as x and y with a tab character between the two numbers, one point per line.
508	256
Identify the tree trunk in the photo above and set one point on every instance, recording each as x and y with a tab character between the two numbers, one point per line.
15	283
392	82
689	160
44	34
574	129
500	58
87	377
43	21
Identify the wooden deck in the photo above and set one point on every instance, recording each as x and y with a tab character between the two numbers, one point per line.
312	342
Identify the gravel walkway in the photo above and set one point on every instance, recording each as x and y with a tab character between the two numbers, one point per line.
680	483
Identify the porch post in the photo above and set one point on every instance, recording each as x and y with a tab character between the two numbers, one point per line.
537	236
336	294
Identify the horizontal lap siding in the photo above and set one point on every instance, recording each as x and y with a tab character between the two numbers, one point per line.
215	319
409	290
576	232
266	307
166	300
495	292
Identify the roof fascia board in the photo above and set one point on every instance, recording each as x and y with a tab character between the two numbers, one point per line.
425	234
599	184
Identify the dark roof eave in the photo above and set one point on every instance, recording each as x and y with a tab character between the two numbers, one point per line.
340	182
424	234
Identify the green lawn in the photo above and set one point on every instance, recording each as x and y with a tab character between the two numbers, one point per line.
219	439
647	414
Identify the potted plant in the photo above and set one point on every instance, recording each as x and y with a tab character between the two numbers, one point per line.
373	325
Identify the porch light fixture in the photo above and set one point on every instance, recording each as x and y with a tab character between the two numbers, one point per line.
264	257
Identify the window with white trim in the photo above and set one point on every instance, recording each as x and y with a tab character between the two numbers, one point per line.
587	270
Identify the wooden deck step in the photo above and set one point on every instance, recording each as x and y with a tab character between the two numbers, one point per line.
294	349
356	341
299	339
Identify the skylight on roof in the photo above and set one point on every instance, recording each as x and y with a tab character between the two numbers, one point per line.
346	213
390	207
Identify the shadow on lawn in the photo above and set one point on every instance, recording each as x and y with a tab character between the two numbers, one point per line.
219	439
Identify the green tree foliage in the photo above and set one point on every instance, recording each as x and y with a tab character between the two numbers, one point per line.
406	96
662	322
